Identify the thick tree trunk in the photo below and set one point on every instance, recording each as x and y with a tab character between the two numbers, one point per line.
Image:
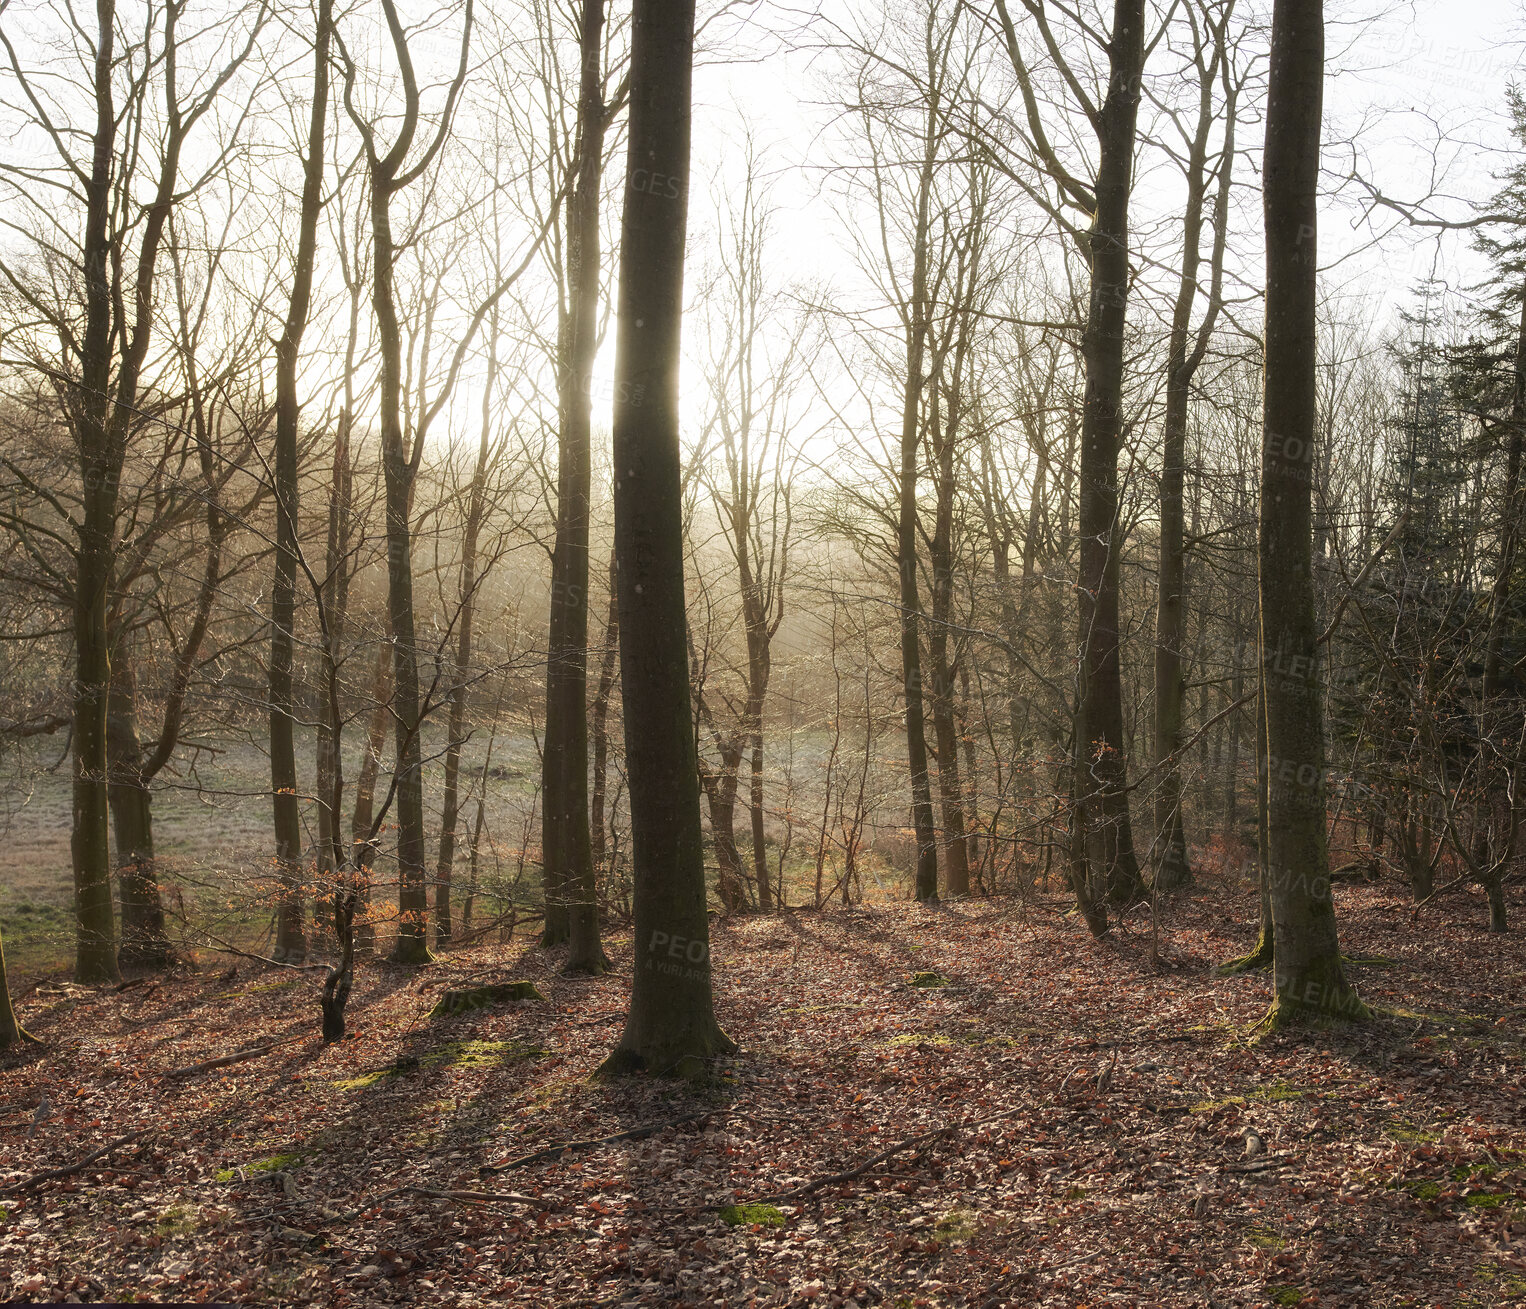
291	943
1101	767
101	456
144	943
671	1027
1307	965
572	907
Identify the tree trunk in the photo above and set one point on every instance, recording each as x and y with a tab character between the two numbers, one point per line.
11	1029
671	1027
465	614
336	603
720	794
906	545
1307	965
599	725
1184	355
101	456
291	944
956	864
144	943
363	817
412	944
1101	768
1261	955
572	907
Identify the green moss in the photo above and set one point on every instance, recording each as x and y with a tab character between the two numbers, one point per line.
478	997
928	979
1400	1130
1426	1191
479	1054
1076	1193
920	1038
1486	1200
1278	1091
275	1163
1285	1294
364	1080
1263	1238
752	1215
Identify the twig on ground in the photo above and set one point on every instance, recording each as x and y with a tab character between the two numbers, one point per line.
236	1058
49	1174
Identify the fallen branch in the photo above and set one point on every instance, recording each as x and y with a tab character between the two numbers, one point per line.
237	1058
69	1170
557	1151
478	1197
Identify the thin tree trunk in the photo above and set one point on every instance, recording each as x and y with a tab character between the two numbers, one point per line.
599	725
671	1027
916	327
291	943
11	1030
1182	361
336	604
465	615
363	817
1307	964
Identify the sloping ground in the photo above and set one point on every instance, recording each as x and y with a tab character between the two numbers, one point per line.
1097	1107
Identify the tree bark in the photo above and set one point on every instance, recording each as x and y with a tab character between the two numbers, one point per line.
1307	964
916	328
101	445
1184	355
291	942
599	724
144	943
465	615
671	1027
572	909
1101	768
11	1030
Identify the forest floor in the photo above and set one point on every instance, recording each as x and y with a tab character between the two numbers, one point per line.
1083	1109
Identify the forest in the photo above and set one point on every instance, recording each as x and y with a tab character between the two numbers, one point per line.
735	653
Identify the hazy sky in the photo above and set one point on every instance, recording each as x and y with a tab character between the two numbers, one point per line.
1398	73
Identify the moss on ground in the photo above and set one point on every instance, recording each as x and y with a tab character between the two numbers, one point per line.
752	1215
